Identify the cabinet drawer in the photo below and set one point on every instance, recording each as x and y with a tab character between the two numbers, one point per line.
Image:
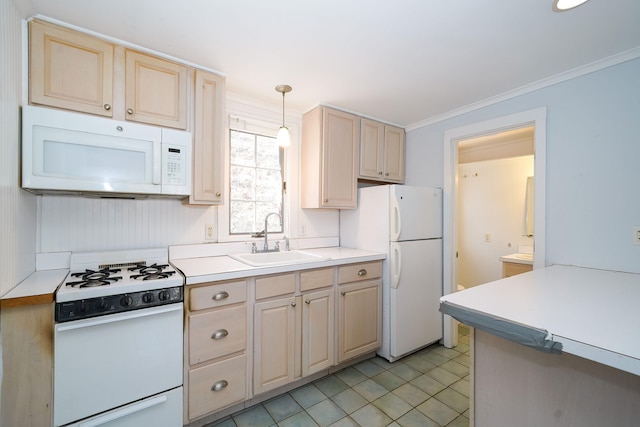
217	295
361	271
315	279
217	333
216	385
272	286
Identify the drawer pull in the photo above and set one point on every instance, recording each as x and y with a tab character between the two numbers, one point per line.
220	385
362	272
220	296
219	334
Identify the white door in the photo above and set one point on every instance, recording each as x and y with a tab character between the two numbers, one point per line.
415	213
415	291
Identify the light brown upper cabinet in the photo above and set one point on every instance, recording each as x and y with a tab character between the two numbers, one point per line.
382	152
156	90
75	71
70	70
208	136
329	153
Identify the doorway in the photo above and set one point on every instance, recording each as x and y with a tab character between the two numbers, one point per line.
452	139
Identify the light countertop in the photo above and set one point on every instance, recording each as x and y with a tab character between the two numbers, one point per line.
215	268
38	288
518	258
591	313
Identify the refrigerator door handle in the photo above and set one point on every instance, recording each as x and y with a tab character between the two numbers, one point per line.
396	222
396	266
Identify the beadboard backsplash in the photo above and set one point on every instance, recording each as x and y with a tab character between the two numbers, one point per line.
71	223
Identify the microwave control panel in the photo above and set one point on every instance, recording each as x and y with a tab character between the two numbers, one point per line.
175	165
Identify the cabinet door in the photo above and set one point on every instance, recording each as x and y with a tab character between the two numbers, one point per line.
394	157
371	149
317	331
70	70
274	344
155	90
359	318
339	148
208	136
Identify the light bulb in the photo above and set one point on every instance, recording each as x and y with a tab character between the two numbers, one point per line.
562	5
284	139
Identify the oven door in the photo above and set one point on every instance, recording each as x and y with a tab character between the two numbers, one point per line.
113	360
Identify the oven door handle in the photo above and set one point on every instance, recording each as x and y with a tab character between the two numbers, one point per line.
119	317
121	413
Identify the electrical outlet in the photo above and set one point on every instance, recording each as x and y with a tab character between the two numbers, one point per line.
303	230
209	232
636	235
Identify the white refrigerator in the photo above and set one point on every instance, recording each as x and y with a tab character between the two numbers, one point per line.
405	223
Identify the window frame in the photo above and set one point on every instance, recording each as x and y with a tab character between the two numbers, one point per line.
257	119
281	152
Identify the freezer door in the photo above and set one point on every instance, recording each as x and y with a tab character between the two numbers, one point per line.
414	294
415	213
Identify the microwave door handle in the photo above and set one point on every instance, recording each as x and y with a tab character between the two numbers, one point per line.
157	162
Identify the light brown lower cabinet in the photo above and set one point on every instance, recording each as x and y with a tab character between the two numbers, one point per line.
248	337
359	318
512	268
215	347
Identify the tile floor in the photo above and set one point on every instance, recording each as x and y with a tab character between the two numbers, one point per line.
425	389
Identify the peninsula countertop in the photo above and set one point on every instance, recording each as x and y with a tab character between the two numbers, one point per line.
587	312
222	267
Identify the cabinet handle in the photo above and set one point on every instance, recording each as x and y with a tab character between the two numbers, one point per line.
129	110
343	293
380	173
307	301
107	107
119	128
293	304
220	296
362	272
220	385
218	194
386	174
219	334
326	200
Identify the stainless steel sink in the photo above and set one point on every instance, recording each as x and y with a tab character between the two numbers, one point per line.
266	259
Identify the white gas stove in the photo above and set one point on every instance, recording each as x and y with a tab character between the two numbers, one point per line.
119	319
115	281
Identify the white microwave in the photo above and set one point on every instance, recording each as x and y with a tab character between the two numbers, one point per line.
65	152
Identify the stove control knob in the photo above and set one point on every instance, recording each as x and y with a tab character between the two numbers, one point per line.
81	307
126	301
164	296
148	297
102	304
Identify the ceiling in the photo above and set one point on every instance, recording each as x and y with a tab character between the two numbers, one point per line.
400	61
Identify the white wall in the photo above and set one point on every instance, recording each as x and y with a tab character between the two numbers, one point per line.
17	208
491	200
593	143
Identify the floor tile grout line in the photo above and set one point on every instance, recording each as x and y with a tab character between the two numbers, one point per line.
372	368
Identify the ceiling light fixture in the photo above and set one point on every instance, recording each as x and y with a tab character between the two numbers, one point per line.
563	5
284	139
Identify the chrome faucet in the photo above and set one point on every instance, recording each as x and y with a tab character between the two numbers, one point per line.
265	233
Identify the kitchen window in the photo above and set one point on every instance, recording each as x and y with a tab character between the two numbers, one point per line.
256	183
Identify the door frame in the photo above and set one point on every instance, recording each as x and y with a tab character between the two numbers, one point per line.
536	117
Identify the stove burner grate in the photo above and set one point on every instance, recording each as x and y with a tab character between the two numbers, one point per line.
93	278
151	272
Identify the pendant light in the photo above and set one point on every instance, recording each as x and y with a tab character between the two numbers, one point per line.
562	5
284	139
